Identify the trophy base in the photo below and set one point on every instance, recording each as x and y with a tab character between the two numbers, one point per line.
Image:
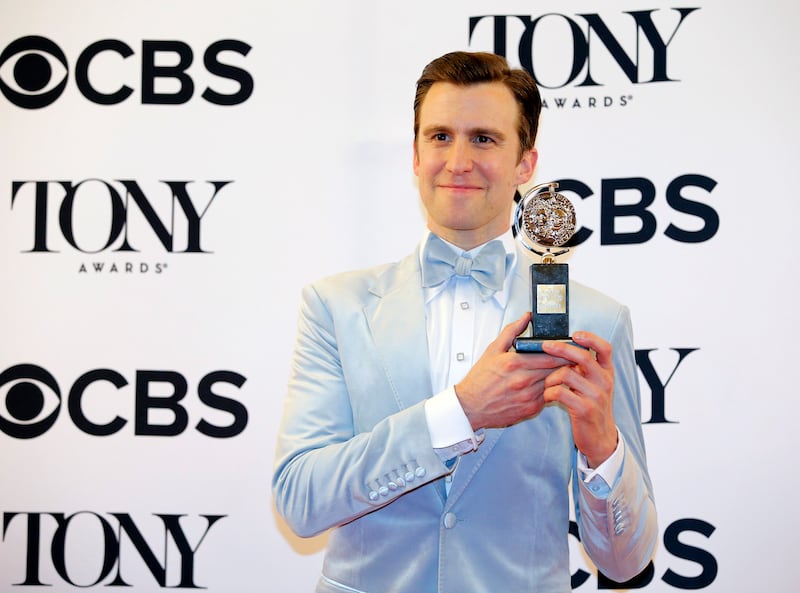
534	345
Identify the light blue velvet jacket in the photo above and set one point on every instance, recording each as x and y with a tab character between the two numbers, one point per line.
354	455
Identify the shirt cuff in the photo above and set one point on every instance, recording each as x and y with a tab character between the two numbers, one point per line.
609	470
450	431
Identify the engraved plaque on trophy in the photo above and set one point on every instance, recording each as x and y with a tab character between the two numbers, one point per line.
544	221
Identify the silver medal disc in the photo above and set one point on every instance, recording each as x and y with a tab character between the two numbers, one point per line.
545	218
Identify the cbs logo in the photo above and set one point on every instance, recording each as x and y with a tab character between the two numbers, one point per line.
31	398
34	72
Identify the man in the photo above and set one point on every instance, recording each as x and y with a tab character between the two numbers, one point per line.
439	456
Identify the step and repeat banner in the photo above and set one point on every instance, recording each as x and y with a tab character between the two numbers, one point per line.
172	173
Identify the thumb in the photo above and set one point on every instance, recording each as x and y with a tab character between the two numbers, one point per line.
504	341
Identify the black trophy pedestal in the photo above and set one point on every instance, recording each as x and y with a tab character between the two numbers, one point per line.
550	307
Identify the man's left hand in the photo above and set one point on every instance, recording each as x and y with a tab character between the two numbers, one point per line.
586	390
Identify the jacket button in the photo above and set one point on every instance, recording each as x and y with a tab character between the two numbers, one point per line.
420	472
373	495
450	520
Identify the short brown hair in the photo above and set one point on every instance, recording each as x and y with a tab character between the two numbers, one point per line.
466	68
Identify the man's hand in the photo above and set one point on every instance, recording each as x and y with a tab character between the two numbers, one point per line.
586	389
503	387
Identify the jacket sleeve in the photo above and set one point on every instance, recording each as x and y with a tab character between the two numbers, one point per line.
327	471
617	523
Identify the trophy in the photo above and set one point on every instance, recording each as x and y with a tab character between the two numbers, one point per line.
544	221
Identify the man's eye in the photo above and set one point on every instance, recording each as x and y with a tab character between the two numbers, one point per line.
440	137
482	139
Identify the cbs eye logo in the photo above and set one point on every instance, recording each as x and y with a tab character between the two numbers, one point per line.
32	401
31	64
34	72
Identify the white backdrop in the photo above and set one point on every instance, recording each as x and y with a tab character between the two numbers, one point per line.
128	341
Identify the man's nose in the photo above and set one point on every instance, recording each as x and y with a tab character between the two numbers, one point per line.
459	157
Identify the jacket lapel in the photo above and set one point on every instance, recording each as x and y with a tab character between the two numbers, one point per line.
519	298
396	318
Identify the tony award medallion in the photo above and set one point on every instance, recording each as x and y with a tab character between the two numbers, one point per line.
544	221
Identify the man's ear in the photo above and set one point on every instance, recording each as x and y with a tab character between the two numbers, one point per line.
527	165
416	159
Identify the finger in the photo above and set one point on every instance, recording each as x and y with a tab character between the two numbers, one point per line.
562	393
504	341
599	371
570	352
603	350
570	377
588	381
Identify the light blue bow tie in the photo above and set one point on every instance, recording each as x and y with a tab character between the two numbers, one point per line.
488	268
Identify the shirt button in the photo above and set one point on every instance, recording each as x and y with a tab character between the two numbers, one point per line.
465	305
450	520
460	357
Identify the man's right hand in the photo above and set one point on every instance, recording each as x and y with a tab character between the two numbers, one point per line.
504	387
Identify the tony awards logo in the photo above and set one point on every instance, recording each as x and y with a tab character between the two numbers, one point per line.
544	221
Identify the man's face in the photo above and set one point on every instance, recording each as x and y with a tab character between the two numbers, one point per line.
467	160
